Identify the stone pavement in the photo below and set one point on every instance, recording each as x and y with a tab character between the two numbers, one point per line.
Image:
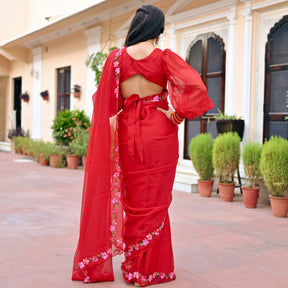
216	244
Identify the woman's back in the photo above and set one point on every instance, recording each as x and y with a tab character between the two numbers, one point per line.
137	83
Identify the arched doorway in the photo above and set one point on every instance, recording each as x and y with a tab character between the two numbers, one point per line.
276	81
206	54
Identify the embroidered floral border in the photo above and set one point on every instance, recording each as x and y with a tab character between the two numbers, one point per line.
145	279
116	179
143	243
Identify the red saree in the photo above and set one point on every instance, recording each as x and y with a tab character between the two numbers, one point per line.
139	160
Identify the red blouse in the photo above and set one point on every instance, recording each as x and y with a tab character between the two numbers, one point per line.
187	93
150	67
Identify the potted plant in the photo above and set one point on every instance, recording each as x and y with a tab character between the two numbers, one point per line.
65	124
56	154
73	156
44	150
15	136
76	90
251	156
25	96
200	149
45	95
274	168
226	123
225	159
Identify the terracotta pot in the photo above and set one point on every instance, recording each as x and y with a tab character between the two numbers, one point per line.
205	187
19	150
43	161
45	97
84	161
72	161
76	94
250	196
55	160
279	206
226	191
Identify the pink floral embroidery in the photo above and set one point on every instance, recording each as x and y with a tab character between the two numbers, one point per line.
148	238
156	98
148	278
116	183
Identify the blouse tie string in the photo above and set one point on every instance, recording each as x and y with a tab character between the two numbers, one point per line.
133	103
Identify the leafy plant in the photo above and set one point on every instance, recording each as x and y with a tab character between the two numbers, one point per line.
274	165
223	116
65	124
24	96
96	63
226	156
200	149
17	132
251	156
79	145
77	88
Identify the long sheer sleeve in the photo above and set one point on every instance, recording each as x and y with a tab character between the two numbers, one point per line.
187	93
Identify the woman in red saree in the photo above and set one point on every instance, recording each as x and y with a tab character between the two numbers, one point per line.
132	157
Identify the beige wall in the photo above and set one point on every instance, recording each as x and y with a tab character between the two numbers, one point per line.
13	14
69	51
4	66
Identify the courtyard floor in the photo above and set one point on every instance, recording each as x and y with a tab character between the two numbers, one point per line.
216	244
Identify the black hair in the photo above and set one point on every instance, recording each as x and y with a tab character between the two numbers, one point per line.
148	23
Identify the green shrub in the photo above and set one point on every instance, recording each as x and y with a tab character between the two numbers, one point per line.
251	156
65	124
200	149
226	156
79	145
274	165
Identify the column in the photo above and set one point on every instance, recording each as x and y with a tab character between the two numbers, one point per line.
172	33
93	45
37	85
247	68
230	64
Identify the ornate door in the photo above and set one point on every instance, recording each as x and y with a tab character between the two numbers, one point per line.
276	81
206	55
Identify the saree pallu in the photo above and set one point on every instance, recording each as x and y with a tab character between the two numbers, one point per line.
148	144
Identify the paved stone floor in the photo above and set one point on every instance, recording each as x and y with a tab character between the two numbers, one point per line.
216	244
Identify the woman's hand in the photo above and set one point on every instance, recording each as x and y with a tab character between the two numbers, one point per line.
171	115
167	113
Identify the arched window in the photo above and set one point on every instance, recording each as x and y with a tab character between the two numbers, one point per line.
206	54
276	81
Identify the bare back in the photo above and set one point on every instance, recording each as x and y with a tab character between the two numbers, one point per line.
137	84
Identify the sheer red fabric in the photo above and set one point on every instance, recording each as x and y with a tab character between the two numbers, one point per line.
134	152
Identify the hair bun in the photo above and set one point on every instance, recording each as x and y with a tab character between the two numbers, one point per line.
142	9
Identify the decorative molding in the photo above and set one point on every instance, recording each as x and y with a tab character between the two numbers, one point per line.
201	11
267	3
178	5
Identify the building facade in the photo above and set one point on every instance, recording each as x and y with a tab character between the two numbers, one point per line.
240	48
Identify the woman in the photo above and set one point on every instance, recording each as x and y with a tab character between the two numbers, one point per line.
132	157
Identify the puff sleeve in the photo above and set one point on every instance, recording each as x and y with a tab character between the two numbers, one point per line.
187	93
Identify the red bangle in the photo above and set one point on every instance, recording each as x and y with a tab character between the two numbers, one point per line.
176	119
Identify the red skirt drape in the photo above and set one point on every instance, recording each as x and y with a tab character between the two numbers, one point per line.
148	144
